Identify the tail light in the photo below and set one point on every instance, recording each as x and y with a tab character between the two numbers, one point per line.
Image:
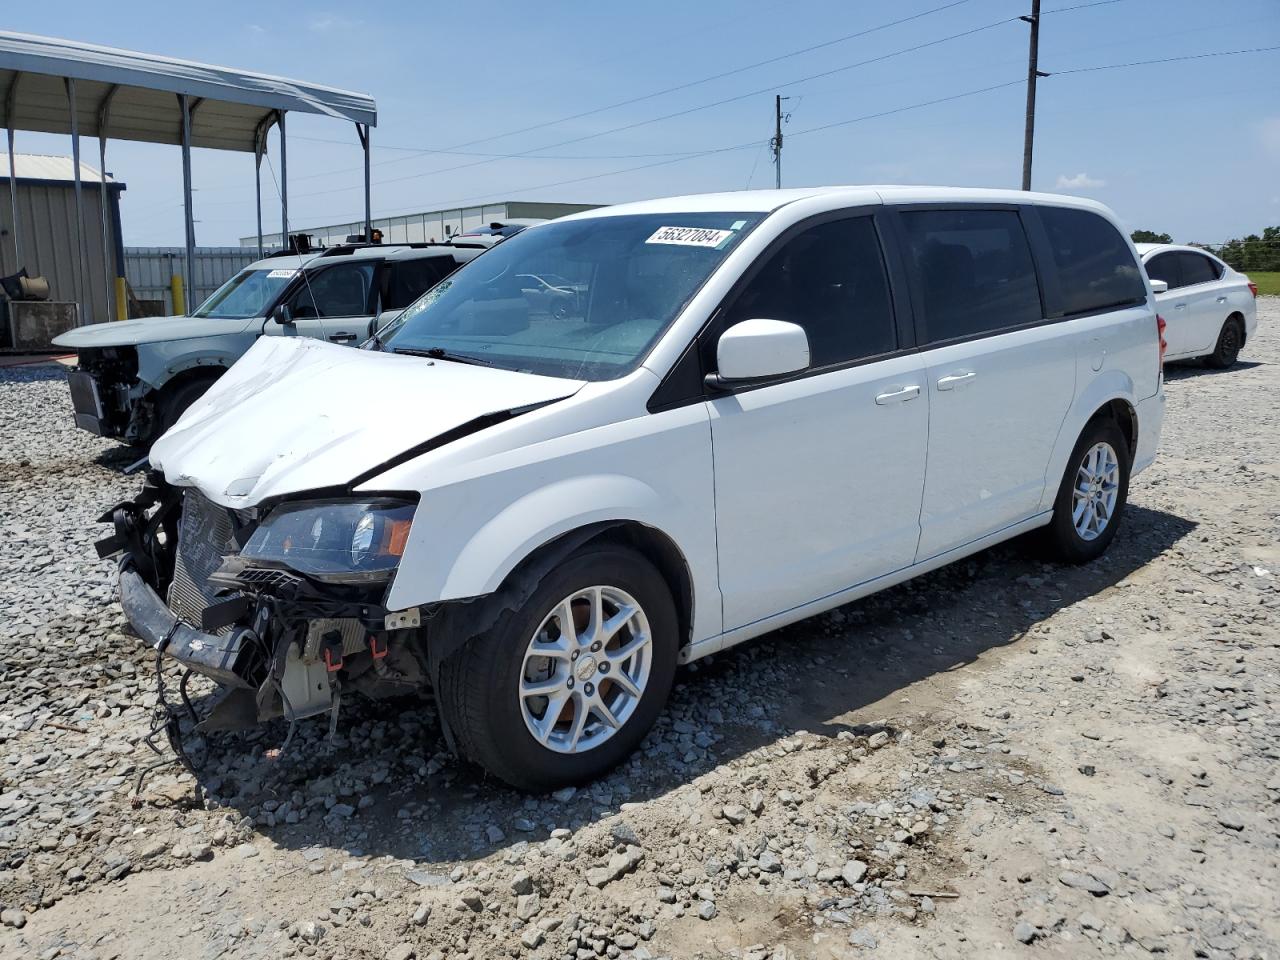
1160	325
1253	288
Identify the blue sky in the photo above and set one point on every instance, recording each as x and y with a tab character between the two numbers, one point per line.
1190	147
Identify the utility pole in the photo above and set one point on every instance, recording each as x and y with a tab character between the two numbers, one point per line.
1033	73
776	142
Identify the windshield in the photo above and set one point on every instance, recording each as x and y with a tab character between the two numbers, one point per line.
581	299
248	294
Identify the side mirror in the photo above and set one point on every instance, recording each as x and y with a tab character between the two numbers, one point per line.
758	349
282	314
1159	286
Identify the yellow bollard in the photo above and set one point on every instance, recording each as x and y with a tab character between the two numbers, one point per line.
179	302
122	300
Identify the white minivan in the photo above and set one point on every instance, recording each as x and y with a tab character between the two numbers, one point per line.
756	407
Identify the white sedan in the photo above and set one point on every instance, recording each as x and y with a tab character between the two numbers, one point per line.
1210	309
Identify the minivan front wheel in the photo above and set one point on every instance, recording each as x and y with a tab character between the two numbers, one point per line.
565	685
1092	495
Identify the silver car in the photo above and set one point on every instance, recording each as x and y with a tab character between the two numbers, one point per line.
134	378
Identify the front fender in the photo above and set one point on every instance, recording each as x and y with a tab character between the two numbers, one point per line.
483	561
160	361
1105	386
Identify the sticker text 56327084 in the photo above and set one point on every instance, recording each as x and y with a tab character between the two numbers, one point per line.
690	236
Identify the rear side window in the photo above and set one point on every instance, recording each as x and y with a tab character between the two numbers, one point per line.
1096	270
974	271
410	279
829	279
1196	269
1165	267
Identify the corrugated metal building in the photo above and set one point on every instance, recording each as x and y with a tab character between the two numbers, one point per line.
434	225
50	236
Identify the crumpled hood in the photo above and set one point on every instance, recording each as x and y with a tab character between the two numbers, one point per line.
125	333
295	414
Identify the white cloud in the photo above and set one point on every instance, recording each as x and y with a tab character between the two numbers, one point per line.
330	23
1081	181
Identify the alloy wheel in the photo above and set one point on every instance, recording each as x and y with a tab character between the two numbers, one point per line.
1096	491
585	669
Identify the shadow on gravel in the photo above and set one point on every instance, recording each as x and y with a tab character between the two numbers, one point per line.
832	672
1186	369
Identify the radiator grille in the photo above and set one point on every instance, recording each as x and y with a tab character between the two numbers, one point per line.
204	538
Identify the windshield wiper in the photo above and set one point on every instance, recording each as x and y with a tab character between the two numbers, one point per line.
440	353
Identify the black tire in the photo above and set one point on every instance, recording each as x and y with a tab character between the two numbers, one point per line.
1230	343
479	684
174	401
1061	540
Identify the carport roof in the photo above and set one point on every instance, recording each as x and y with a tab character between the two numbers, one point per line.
232	108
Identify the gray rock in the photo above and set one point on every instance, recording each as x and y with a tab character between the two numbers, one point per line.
401	951
853	872
706	910
1084	881
1024	932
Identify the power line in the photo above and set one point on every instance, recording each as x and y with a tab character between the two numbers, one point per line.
688	110
1147	63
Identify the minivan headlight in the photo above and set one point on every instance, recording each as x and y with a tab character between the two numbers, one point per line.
341	541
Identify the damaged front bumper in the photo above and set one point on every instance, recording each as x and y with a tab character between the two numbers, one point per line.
277	644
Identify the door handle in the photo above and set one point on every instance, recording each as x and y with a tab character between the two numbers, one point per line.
1179	306
899	395
1222	299
342	337
953	380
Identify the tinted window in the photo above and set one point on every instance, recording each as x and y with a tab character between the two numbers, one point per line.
1164	267
248	294
1196	269
974	269
337	291
829	279
1095	268
410	279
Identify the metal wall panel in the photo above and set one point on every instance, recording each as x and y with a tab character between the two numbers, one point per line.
149	270
50	248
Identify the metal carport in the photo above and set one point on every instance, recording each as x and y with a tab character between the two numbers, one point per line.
51	85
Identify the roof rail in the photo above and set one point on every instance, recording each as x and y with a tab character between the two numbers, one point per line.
344	249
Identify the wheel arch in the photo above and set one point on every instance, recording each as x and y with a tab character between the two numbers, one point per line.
1109	396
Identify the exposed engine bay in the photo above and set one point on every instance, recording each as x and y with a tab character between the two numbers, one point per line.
279	644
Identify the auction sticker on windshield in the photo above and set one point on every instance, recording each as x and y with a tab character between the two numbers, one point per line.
690	236
281	273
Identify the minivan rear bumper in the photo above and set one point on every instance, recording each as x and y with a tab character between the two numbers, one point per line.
1150	420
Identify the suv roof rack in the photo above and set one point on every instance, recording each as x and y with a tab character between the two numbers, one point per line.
344	249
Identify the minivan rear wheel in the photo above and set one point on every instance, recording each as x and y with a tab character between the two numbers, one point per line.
1092	496
567	682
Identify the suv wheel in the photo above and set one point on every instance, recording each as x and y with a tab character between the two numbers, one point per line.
1227	349
1092	496
565	685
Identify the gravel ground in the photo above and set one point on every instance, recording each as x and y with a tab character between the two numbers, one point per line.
1003	756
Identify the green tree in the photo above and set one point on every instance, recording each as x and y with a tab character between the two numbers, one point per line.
1150	236
1254	252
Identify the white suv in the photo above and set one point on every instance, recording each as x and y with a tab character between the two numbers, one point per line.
759	406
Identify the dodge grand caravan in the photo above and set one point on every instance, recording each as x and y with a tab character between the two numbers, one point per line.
760	406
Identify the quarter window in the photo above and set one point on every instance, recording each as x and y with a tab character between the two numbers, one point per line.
974	269
829	279
1095	266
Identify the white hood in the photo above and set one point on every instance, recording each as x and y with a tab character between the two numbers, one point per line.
125	333
295	414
